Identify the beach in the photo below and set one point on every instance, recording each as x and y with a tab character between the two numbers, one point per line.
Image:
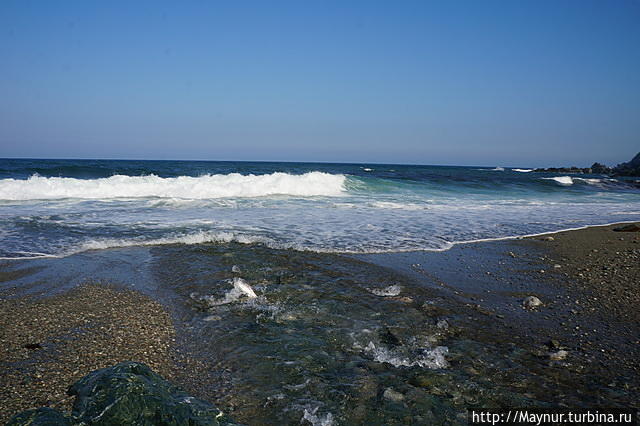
579	348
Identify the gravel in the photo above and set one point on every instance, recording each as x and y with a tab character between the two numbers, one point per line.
46	344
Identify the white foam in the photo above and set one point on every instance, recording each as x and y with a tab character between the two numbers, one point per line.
182	187
195	238
522	170
398	206
589	181
240	289
561	180
430	358
242	285
315	419
498	169
392	290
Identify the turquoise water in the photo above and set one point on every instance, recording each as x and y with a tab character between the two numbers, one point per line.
61	207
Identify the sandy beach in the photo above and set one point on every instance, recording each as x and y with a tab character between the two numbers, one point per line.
587	281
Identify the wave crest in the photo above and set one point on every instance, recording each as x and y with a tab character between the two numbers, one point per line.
185	187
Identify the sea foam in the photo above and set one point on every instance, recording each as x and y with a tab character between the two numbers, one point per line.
182	187
561	180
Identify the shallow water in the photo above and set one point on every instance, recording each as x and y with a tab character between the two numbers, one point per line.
326	337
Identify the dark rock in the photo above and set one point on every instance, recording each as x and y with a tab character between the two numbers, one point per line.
40	417
632	227
128	393
388	338
32	346
598	168
631	168
553	344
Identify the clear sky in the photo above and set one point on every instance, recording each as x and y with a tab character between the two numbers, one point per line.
530	83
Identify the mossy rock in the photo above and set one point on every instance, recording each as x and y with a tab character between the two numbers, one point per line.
128	393
40	417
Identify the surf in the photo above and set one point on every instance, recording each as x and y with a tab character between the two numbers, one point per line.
233	185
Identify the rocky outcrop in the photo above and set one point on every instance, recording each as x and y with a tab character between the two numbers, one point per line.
572	169
631	168
600	169
128	393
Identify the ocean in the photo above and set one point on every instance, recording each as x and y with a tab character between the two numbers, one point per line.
61	207
282	281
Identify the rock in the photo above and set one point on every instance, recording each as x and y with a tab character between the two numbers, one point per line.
392	395
212	318
129	393
388	337
600	169
631	168
549	238
32	346
553	344
558	356
442	324
40	417
632	227
531	302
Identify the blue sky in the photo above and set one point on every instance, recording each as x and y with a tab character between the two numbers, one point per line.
471	83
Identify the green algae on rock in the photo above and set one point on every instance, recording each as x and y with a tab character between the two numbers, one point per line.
128	393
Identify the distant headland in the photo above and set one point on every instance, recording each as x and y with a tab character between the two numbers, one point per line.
630	168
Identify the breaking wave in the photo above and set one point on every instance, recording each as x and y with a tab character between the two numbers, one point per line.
184	187
561	180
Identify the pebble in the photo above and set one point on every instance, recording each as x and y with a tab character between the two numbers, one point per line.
559	355
531	302
392	395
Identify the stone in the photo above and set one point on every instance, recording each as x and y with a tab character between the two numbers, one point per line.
40	417
531	302
442	324
632	227
553	344
392	395
548	239
129	393
558	356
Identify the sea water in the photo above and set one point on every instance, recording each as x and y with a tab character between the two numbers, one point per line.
61	207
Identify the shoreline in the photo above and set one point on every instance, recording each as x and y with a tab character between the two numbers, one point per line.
345	253
477	287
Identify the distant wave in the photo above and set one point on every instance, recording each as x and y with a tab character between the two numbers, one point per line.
568	180
522	170
498	169
185	187
561	180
